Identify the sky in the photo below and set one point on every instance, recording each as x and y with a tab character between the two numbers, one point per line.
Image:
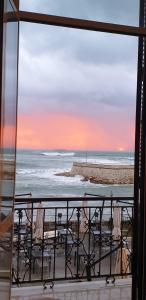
77	89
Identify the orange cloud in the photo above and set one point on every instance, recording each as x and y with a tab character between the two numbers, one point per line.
62	131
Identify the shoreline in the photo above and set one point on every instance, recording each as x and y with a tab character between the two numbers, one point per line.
101	173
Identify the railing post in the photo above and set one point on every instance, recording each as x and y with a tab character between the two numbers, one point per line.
88	271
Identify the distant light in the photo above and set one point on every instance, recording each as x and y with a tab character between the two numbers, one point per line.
121	149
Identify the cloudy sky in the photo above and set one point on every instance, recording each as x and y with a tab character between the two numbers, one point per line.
77	89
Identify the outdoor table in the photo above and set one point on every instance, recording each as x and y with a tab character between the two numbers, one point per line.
83	255
97	236
21	234
51	234
50	237
39	254
97	232
107	232
65	233
102	233
61	224
101	236
107	235
22	231
95	224
70	244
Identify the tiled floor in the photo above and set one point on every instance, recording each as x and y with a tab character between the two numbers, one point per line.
77	291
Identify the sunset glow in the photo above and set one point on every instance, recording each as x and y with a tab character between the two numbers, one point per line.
64	131
121	149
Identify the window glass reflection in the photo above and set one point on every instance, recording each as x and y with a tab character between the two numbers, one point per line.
8	141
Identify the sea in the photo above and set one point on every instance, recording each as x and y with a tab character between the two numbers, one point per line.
36	173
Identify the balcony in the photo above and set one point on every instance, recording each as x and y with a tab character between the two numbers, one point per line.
77	291
73	240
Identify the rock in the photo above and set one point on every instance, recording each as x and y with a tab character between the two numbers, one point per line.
66	174
85	179
101	174
96	180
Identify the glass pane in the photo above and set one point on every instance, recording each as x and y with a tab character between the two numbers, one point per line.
77	105
114	11
7	145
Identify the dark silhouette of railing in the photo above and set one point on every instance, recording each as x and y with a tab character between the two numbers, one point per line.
71	238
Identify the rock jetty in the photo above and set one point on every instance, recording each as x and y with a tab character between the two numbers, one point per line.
102	174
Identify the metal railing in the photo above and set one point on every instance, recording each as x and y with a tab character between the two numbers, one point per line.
72	238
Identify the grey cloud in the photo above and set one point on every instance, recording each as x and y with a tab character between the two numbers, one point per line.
126	12
83	45
71	86
87	47
75	71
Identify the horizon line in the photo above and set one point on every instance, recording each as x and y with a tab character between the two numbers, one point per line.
74	150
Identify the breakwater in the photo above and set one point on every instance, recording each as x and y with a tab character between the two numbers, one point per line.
103	174
108	174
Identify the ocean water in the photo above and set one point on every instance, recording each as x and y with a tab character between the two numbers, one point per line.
36	171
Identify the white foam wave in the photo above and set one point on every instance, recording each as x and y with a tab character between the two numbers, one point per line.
49	175
105	161
58	153
25	172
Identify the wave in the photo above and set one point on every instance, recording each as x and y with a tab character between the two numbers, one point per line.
48	178
105	161
130	158
25	172
58	153
49	175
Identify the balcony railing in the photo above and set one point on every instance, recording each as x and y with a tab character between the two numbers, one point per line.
72	239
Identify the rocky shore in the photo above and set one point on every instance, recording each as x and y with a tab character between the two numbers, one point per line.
102	174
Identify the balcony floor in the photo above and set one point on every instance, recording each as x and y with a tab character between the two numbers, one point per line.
96	290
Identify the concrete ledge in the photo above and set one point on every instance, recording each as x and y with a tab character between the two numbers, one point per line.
104	174
102	166
70	287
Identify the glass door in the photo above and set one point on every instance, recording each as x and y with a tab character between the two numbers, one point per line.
8	113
